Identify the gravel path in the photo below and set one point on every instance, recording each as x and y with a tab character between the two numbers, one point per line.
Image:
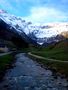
29	75
2	54
40	57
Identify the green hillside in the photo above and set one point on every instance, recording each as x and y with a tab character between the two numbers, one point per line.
57	51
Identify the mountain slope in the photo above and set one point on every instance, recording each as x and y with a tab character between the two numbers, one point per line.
53	40
10	33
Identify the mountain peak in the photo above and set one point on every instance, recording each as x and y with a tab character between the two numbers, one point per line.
2	11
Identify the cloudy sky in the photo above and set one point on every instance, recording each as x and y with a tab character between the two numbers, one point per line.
42	11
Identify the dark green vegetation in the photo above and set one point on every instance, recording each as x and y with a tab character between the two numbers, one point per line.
5	62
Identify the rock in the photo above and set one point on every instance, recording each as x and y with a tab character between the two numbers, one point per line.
26	88
38	88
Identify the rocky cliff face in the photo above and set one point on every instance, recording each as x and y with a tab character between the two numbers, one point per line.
65	34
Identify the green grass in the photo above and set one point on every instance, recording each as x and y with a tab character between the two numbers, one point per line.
53	54
57	51
4	61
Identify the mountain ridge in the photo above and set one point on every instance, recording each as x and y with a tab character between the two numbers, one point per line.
39	33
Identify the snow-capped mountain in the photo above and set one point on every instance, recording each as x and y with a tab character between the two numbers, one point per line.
7	31
37	32
12	20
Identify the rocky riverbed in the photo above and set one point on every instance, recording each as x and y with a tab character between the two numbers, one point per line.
29	75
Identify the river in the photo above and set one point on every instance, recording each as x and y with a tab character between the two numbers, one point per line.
27	74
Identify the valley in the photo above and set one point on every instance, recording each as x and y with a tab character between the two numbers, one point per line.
32	56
